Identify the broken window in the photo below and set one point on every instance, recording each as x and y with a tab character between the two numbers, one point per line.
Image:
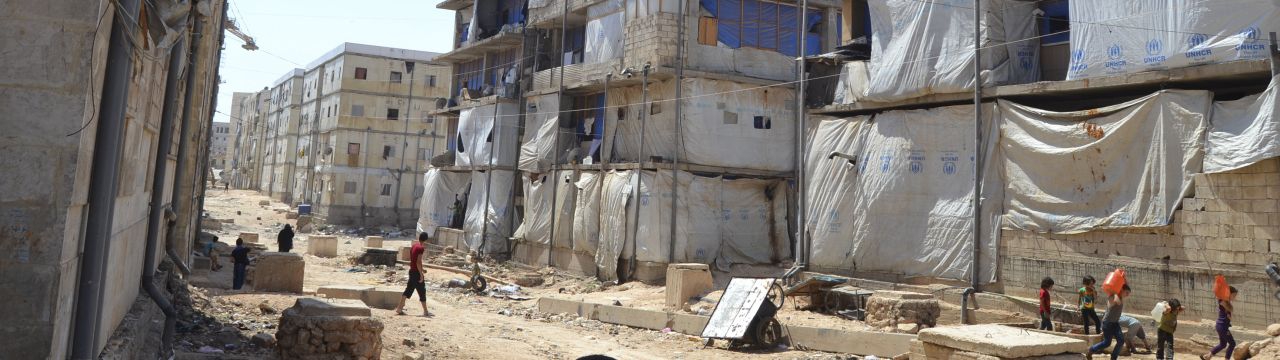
393	114
396	76
431	80
763	122
386	190
362	73
353	149
388	151
349	187
730	118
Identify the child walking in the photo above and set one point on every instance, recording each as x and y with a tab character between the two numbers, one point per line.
1046	284
1087	298
1111	325
1223	326
1168	324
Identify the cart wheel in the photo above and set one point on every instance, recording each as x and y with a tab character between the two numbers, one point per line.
831	303
478	283
769	334
777	295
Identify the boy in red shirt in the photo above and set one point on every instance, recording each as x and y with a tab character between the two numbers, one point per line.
416	281
1045	285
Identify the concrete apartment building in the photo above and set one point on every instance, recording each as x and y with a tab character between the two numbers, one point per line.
249	124
219	135
581	97
1073	180
100	144
351	134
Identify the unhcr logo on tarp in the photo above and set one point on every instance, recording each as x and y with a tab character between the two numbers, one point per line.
1116	61
1249	46
1154	56
1077	61
1193	43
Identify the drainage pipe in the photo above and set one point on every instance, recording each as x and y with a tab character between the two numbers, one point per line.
107	148
964	305
157	198
977	142
635	187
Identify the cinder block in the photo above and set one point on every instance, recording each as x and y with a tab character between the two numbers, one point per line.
322	245
885	345
279	272
249	237
373	242
685	281
403	253
342	291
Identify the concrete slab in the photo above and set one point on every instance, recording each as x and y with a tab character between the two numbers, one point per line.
565	306
1001	341
343	291
249	237
639	318
685	281
373	242
386	297
403	253
884	345
309	306
279	272
322	245
688	324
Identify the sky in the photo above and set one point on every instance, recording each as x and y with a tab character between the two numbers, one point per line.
292	33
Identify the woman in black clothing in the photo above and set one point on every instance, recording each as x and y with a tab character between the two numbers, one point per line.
285	239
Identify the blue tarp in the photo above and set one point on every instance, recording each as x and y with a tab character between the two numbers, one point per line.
763	24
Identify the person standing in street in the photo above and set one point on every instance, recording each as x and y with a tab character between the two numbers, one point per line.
416	280
285	239
241	256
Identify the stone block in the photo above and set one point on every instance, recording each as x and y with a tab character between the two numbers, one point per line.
279	272
249	237
373	242
1001	341
685	281
403	253
303	224
887	310
352	292
322	245
328	329
565	306
385	297
209	224
884	345
374	256
638	318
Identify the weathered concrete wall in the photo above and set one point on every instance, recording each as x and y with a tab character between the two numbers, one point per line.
1230	226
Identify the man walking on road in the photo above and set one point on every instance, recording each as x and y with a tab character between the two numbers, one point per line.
416	280
241	256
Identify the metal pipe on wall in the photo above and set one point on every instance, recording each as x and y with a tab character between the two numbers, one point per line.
977	150
211	107
802	239
635	188
100	214
681	23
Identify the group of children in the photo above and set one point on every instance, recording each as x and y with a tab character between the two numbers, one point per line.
1115	325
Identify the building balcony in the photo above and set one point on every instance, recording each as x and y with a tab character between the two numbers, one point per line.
509	36
548	16
454	4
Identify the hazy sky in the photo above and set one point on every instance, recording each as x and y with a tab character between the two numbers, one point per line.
292	33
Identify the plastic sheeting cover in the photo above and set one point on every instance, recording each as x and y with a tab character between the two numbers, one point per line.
497	227
1244	131
538	213
441	190
478	136
925	47
603	39
586	212
905	205
1111	37
1122	166
537	150
615	225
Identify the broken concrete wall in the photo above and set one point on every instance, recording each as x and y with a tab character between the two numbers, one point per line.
1229	226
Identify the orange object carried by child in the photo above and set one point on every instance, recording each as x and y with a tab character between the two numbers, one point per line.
1221	290
1114	282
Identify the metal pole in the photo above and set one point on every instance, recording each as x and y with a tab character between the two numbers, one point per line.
802	241
635	188
271	182
605	151
364	177
404	144
107	150
977	126
1275	56
488	180
679	141
555	146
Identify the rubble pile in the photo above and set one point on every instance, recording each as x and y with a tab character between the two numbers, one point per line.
1261	349
218	326
905	312
322	329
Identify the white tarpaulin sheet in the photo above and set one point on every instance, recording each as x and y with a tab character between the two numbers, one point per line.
615	225
1115	37
1244	131
477	134
1122	166
442	191
925	47
720	221
586	212
536	150
497	227
905	205
603	38
538	197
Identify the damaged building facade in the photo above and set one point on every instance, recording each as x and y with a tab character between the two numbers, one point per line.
1135	135
351	134
106	148
584	138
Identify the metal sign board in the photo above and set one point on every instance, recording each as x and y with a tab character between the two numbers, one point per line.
737	307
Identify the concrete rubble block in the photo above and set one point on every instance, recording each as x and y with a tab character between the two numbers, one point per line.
210	224
328	329
688	324
637	318
353	292
880	344
279	272
403	253
264	202
1002	341
291	215
322	245
303	224
889	310
373	256
565	306
384	297
249	237
685	281
373	242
